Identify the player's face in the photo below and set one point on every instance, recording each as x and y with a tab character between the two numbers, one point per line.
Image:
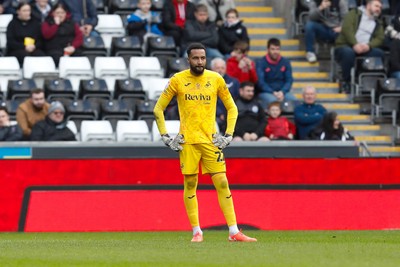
197	61
274	52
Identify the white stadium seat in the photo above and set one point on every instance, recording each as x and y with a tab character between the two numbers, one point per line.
75	69
132	131
144	67
153	86
99	131
172	129
39	69
9	70
110	69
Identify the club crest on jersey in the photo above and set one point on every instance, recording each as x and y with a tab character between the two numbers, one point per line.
208	84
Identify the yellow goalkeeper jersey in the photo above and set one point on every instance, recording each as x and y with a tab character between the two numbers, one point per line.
197	102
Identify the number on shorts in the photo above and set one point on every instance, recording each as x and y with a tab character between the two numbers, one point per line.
220	156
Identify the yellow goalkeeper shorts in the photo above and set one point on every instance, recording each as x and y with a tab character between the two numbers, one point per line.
210	157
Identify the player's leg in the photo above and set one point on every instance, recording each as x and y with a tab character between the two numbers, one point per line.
225	199
188	158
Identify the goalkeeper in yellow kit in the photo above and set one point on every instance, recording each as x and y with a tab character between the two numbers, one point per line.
197	90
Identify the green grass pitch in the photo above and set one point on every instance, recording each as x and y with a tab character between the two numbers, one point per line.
274	248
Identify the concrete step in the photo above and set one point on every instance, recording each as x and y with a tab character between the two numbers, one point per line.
354	119
288	54
261	44
384	151
314	76
343	108
319	90
318	85
264	20
363	129
266	31
326	97
375	139
243	10
249	3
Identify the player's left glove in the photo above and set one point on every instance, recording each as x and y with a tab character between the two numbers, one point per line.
222	141
173	143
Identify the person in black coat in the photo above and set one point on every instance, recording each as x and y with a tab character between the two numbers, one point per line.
8	132
231	31
24	37
40	9
174	16
53	127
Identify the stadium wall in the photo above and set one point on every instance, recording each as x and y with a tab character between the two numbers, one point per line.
361	190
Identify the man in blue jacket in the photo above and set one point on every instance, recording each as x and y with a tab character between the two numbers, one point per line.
308	115
274	75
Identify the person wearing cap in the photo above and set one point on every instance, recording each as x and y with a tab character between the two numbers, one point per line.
54	126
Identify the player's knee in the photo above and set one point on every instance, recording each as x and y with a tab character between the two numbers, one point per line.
190	181
220	181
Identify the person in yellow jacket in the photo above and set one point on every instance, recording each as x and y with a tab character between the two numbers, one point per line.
196	90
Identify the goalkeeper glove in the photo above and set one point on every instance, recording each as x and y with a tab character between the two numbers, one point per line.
222	141
173	143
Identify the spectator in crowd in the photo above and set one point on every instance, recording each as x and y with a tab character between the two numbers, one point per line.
31	111
6	7
324	23
24	36
203	31
362	34
330	129
85	14
393	32
40	9
231	31
217	9
143	22
251	119
274	75
174	16
54	126
62	35
219	65
278	127
240	66
8	132
308	115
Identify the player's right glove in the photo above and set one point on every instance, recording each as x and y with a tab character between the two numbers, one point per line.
222	141
173	143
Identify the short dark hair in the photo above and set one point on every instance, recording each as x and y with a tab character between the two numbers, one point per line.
370	1
232	10
274	42
36	91
241	45
5	109
201	8
246	83
194	46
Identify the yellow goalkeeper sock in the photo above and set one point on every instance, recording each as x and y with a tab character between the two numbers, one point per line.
224	197
190	198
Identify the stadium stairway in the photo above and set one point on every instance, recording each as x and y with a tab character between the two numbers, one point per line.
262	24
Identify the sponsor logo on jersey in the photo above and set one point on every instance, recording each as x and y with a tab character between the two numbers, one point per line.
197	97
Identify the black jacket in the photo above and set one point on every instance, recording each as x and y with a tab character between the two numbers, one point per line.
251	118
17	30
168	15
47	130
228	35
11	133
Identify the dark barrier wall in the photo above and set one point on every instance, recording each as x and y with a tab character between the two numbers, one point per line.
18	174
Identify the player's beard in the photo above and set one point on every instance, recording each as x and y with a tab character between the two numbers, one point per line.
198	70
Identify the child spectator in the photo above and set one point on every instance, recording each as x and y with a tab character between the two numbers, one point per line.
24	36
331	129
174	16
231	31
278	127
239	65
143	22
62	34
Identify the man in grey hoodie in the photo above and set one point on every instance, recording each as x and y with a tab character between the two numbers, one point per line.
324	23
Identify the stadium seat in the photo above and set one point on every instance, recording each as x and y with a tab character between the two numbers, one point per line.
115	110
93	46
154	86
4	21
9	70
75	69
59	88
161	46
365	73
157	5
132	131
126	47
101	6
82	110
20	88
99	131
172	129
39	68
385	100
110	25
176	64
12	106
144	109
72	126
94	88
144	67
110	69
123	6
129	88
